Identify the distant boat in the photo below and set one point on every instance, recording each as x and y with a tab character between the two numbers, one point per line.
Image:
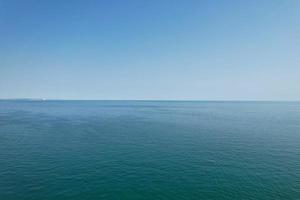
29	99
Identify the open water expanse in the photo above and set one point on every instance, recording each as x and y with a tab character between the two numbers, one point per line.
118	150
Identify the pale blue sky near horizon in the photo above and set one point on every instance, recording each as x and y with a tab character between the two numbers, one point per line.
158	49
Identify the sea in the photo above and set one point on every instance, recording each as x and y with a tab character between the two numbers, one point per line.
149	150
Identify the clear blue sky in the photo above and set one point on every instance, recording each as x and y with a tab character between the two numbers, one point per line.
156	49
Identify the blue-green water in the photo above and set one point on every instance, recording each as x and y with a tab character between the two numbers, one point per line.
149	150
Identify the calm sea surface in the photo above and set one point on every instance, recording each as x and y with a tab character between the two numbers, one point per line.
149	150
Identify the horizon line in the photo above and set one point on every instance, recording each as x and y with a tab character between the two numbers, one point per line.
203	100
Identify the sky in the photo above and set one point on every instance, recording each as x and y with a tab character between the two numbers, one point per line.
150	50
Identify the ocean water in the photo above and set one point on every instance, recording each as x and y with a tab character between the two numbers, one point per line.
149	150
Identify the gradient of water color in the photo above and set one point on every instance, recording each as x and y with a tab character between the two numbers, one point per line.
149	150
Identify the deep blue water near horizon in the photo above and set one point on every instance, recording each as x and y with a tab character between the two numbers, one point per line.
149	150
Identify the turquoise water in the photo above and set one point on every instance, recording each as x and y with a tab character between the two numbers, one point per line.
149	150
